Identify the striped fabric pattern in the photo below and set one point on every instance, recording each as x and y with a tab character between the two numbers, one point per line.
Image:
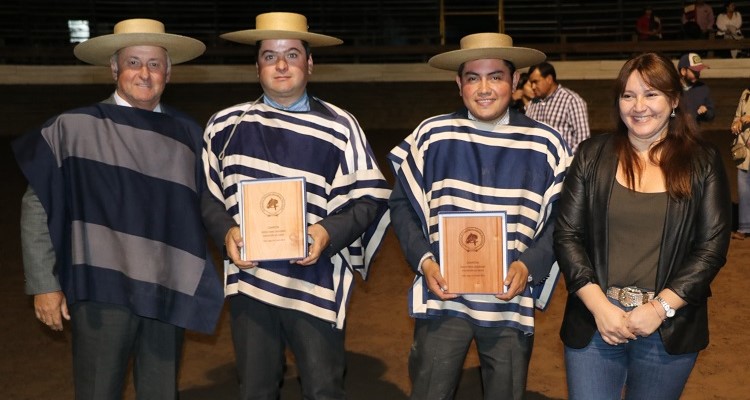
450	163
125	219
331	152
565	111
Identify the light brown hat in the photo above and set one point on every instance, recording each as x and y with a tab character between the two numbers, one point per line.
281	25
487	45
138	32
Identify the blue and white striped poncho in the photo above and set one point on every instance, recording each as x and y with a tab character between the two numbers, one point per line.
331	152
451	163
121	189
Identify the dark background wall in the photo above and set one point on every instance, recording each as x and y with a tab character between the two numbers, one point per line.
380	106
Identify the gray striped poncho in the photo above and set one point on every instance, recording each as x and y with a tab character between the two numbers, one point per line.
121	188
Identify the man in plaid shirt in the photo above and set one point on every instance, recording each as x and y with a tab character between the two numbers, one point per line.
557	106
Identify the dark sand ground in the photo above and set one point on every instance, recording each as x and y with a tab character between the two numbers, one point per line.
35	363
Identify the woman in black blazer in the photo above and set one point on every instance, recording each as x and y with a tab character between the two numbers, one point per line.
643	228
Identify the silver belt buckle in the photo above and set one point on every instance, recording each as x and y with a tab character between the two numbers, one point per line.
630	295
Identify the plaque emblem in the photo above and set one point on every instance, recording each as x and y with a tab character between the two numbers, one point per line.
272	204
471	239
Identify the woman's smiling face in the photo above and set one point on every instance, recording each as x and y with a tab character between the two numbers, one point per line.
644	109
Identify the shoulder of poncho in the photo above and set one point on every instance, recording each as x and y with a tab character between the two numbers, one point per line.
181	116
225	113
517	120
335	110
91	109
442	119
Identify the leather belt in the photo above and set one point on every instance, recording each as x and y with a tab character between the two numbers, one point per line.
630	296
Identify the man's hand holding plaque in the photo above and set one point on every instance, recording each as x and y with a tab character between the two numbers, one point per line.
233	244
515	280
318	241
435	281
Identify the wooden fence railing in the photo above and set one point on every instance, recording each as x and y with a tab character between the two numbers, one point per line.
562	50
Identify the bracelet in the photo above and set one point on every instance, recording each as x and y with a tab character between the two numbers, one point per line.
656	310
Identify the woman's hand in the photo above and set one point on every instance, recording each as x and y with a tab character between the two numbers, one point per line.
739	123
612	324
611	321
645	319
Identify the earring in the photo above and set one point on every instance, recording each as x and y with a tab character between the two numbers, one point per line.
672	115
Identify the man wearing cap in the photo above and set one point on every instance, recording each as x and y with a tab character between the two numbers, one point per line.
111	224
287	133
484	157
697	97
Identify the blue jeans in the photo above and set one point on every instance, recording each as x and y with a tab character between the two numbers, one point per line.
743	200
642	367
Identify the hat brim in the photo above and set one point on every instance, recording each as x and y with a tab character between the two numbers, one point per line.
252	36
99	50
698	68
521	57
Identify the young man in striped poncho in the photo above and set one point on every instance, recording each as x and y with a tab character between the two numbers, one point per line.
289	133
485	157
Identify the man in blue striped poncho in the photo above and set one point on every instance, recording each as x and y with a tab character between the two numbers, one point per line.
288	133
485	157
111	223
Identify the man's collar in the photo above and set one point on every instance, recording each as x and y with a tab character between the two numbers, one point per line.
300	105
503	120
122	102
554	92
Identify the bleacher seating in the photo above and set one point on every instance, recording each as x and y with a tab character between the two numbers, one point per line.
374	31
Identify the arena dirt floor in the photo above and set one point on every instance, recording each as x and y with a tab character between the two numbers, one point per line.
35	363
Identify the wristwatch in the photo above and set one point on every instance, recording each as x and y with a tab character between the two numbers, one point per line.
667	308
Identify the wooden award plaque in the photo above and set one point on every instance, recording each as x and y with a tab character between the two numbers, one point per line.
272	219
472	251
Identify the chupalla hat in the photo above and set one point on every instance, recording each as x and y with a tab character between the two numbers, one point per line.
138	32
484	46
281	25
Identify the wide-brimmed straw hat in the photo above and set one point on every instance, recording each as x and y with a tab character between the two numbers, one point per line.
485	46
138	32
281	25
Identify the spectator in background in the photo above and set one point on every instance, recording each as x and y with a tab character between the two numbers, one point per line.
557	106
697	96
740	123
523	94
728	25
648	25
697	20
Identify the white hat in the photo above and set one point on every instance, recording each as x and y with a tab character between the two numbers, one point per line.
484	46
281	25
138	32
